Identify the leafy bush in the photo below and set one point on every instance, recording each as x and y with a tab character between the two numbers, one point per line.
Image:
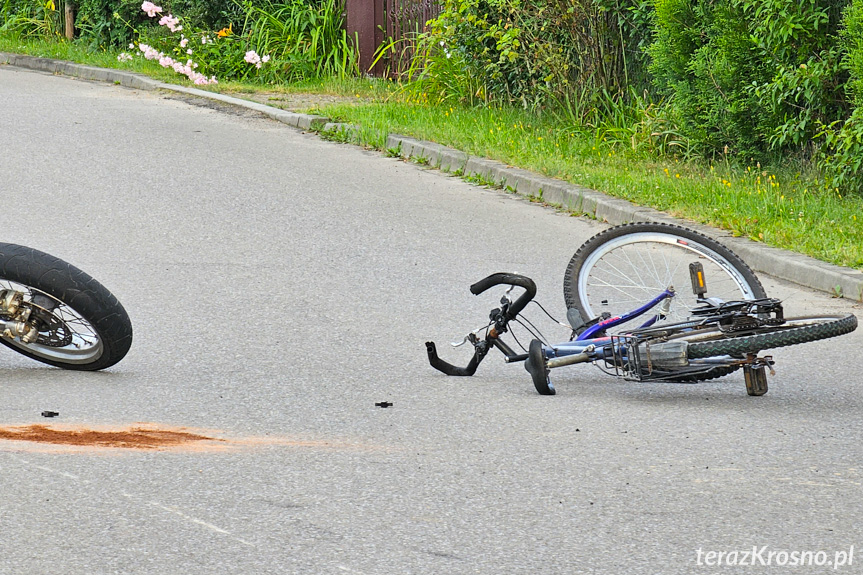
841	157
213	14
750	76
109	23
113	23
287	41
852	41
199	55
530	53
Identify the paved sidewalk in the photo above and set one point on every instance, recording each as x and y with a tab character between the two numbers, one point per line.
791	266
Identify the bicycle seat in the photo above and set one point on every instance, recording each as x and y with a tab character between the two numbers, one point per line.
573	316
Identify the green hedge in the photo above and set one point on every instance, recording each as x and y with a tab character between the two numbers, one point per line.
841	158
751	77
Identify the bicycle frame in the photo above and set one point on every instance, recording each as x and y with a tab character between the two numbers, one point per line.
614	349
587	337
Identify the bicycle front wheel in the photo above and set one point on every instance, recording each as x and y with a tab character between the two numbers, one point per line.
624	267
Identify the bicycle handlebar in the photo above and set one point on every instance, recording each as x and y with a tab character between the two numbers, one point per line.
509	279
450	369
482	348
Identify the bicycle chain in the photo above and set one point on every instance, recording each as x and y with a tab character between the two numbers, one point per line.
748	322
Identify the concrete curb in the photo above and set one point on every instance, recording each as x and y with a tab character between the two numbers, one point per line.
797	268
791	266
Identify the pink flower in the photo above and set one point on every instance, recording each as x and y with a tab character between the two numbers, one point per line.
151	9
171	22
265	59
187	69
201	80
150	53
184	42
252	57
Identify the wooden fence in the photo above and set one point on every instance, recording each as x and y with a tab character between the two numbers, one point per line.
379	22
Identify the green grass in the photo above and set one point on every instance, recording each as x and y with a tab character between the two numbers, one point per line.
354	88
80	53
783	206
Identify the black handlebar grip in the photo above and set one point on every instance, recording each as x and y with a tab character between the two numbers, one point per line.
508	279
448	368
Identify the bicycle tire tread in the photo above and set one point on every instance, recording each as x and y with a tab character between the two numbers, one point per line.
774	339
75	288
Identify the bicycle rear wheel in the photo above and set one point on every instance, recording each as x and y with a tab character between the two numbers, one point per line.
626	266
793	331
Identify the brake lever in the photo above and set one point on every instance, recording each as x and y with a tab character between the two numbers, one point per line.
471	337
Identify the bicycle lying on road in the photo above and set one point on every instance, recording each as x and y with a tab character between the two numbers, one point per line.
53	312
632	271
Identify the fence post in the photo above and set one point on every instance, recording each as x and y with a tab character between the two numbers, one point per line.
364	21
70	20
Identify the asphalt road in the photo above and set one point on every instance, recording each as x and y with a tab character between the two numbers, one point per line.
280	286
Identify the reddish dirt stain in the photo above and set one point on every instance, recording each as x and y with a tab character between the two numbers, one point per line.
131	438
145	437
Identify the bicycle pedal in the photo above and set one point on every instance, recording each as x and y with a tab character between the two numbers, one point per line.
535	365
699	283
756	379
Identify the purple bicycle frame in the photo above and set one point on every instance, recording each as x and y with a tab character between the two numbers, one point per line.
587	337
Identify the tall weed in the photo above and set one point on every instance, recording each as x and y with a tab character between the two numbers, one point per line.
531	54
32	19
640	125
437	75
307	39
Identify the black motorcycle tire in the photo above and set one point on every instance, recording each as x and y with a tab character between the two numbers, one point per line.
89	302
